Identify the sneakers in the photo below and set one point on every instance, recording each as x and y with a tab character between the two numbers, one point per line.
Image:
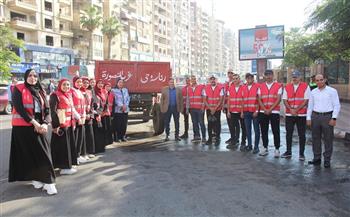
243	148
204	140
81	159
68	171
255	151
37	184
228	141
277	153
301	157
264	152
209	142
177	139
166	138
91	156
286	155
50	189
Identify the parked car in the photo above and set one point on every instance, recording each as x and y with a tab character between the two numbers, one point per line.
5	106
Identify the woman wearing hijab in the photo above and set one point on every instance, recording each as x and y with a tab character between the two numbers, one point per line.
120	109
99	123
62	140
30	156
79	131
110	98
89	132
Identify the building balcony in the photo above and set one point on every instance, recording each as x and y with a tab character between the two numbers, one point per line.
28	6
65	2
20	23
66	32
65	16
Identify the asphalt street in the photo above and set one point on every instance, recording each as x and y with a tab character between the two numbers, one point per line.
149	177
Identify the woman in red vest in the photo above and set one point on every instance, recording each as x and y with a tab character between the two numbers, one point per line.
62	140
79	131
30	156
99	122
89	132
110	99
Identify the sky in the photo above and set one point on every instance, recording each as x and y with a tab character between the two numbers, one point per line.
243	14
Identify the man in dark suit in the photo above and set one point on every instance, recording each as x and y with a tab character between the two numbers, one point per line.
171	104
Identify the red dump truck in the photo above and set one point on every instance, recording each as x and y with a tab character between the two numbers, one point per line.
144	81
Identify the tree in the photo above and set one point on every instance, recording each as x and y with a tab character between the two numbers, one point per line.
7	56
331	19
91	20
110	28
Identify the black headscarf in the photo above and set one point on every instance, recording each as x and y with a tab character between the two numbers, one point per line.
36	90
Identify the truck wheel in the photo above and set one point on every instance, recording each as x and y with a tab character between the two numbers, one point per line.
146	116
158	123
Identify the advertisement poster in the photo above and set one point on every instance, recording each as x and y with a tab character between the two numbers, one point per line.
261	43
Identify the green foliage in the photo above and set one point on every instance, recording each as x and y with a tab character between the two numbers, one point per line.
331	19
7	57
91	20
110	28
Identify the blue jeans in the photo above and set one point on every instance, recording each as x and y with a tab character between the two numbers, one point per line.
197	116
248	119
172	111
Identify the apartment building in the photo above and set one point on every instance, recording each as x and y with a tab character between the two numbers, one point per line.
199	40
181	37
46	28
217	53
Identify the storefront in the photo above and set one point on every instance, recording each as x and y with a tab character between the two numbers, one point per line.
50	59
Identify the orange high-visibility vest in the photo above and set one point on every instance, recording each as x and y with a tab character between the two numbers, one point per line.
296	98
184	94
269	96
65	102
28	104
250	98
213	96
196	98
78	101
88	100
235	99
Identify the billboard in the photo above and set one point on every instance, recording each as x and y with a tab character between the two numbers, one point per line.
261	43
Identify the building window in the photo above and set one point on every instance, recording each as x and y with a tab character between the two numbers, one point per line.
61	43
20	36
48	6
48	24
17	16
49	40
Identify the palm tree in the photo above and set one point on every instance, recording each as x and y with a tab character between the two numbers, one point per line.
110	28
91	20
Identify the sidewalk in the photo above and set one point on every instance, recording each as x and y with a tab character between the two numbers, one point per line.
343	120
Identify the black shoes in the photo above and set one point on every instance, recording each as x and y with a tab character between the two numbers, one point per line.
315	162
286	155
177	138
327	164
166	138
184	136
228	141
209	142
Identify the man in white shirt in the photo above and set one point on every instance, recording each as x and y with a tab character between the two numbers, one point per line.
322	113
295	98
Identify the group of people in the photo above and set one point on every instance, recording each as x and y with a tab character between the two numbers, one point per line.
86	115
255	105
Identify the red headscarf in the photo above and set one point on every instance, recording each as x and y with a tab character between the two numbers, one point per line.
75	78
59	86
84	78
101	92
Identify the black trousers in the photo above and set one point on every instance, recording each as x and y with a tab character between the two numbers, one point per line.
80	142
120	121
234	121
186	122
291	121
214	125
229	123
265	120
244	131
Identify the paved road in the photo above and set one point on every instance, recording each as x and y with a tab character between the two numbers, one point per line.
147	177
